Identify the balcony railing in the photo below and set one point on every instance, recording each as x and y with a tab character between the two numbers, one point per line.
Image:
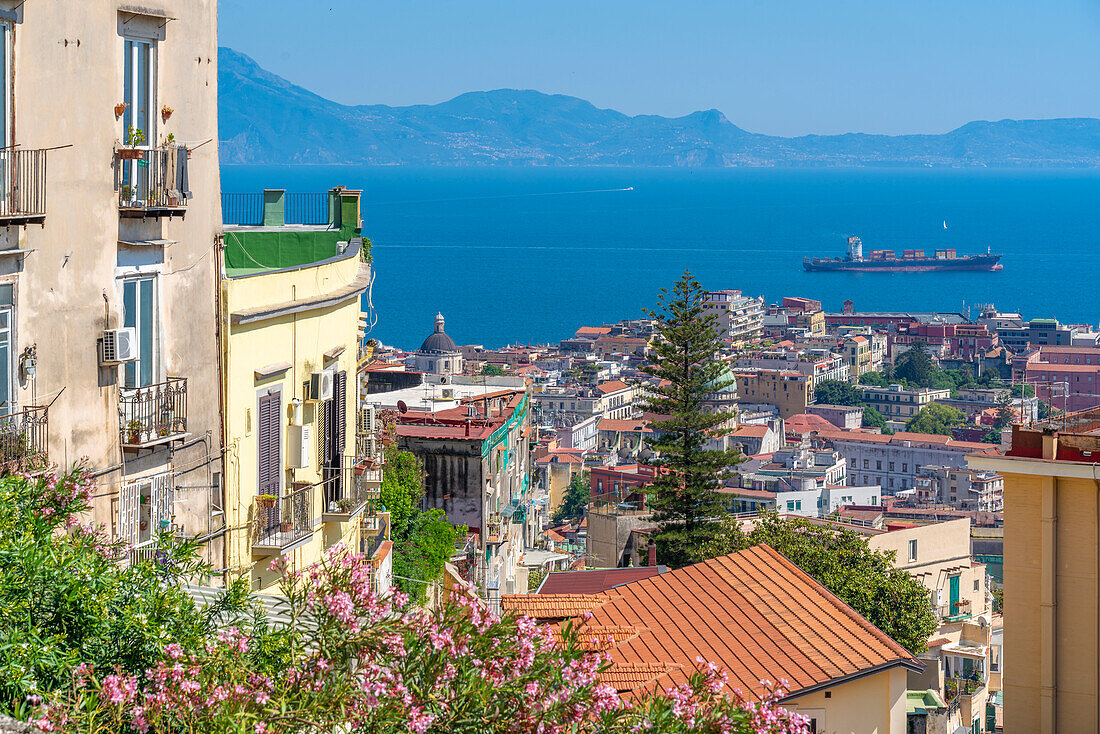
965	686
496	529
153	414
286	522
352	490
22	186
243	209
152	182
302	208
23	441
311	208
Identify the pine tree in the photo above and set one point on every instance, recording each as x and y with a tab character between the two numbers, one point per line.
685	363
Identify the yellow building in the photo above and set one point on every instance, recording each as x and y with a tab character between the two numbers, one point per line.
302	461
1051	609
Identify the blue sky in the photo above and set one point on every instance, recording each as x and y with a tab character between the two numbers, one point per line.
784	67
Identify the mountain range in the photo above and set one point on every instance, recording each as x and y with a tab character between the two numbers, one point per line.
266	119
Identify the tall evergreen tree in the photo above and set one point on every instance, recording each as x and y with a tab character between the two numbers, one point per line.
685	362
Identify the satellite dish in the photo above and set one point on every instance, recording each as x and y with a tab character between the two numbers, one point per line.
401	407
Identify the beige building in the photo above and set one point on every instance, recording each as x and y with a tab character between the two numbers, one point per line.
1051	608
108	330
789	391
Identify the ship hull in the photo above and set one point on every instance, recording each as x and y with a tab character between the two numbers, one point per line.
909	265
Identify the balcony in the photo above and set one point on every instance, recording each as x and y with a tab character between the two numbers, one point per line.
22	187
350	490
152	182
281	524
278	209
496	529
153	415
23	437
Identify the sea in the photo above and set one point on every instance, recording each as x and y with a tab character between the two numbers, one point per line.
527	255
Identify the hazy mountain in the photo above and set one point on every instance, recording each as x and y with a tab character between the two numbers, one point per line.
266	119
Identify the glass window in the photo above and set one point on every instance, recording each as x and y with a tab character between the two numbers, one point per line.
912	550
7	388
5	83
139	312
137	87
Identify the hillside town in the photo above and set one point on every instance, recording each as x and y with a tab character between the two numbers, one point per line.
211	373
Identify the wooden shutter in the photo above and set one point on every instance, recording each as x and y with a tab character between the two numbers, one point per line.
162	497
129	502
340	404
270	440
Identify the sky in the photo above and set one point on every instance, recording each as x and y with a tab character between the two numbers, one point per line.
780	67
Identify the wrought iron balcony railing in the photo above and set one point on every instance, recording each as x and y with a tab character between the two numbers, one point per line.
281	522
23	438
350	490
22	186
153	414
152	181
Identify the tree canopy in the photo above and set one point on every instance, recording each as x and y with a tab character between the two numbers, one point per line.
935	418
840	559
837	392
577	495
684	496
492	370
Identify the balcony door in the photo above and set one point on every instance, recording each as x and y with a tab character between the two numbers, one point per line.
139	312
139	95
7	350
269	466
334	434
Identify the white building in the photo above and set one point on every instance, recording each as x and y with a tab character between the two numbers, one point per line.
438	354
740	318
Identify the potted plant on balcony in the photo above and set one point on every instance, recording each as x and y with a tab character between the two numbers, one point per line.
133	431
120	108
285	526
166	112
266	501
344	505
134	138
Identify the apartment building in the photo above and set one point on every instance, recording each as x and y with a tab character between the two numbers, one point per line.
790	392
893	462
817	364
1066	377
306	462
899	404
109	214
1051	536
739	318
476	462
963	489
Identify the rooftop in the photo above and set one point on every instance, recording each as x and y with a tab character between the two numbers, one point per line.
594	581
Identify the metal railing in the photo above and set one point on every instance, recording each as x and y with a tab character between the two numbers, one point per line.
153	178
350	491
152	413
22	184
289	519
955	688
306	208
23	439
243	209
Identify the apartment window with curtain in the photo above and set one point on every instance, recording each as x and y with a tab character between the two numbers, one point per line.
139	311
139	94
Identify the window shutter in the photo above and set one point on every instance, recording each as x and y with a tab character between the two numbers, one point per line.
129	498
161	494
340	401
270	440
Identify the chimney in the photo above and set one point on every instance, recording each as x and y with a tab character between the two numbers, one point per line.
652	560
467	427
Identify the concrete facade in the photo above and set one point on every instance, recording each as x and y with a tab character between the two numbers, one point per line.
96	259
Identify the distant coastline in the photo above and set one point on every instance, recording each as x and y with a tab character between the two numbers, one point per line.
264	119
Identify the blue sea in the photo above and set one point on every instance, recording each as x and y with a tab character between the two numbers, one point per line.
527	255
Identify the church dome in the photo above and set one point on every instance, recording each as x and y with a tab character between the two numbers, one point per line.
438	342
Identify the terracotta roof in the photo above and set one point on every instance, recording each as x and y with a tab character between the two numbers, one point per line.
762	494
624	426
554	536
592	331
612	386
1059	367
626	677
550	607
594	581
753	612
806	422
605	638
754	431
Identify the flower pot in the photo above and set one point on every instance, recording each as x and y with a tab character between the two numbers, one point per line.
129	154
285	527
134	437
120	108
265	502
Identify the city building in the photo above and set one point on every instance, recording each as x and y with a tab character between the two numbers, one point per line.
1068	378
857	351
963	489
816	364
790	392
108	259
899	404
843	673
306	464
739	318
893	462
438	353
1051	536
844	417
477	469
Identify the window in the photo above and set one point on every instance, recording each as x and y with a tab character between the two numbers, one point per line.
7	351
139	87
977	584
866	464
139	311
878	465
891	466
904	466
912	550
269	437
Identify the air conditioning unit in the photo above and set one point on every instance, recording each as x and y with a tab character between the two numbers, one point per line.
299	440
367	418
448	393
117	346
320	385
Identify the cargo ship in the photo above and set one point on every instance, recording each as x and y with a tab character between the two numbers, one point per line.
911	261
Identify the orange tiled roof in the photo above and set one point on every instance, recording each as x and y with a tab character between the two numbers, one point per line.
604	638
753	612
612	386
550	606
626	677
624	426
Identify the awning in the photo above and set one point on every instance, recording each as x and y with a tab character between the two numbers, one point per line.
968	650
147	243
